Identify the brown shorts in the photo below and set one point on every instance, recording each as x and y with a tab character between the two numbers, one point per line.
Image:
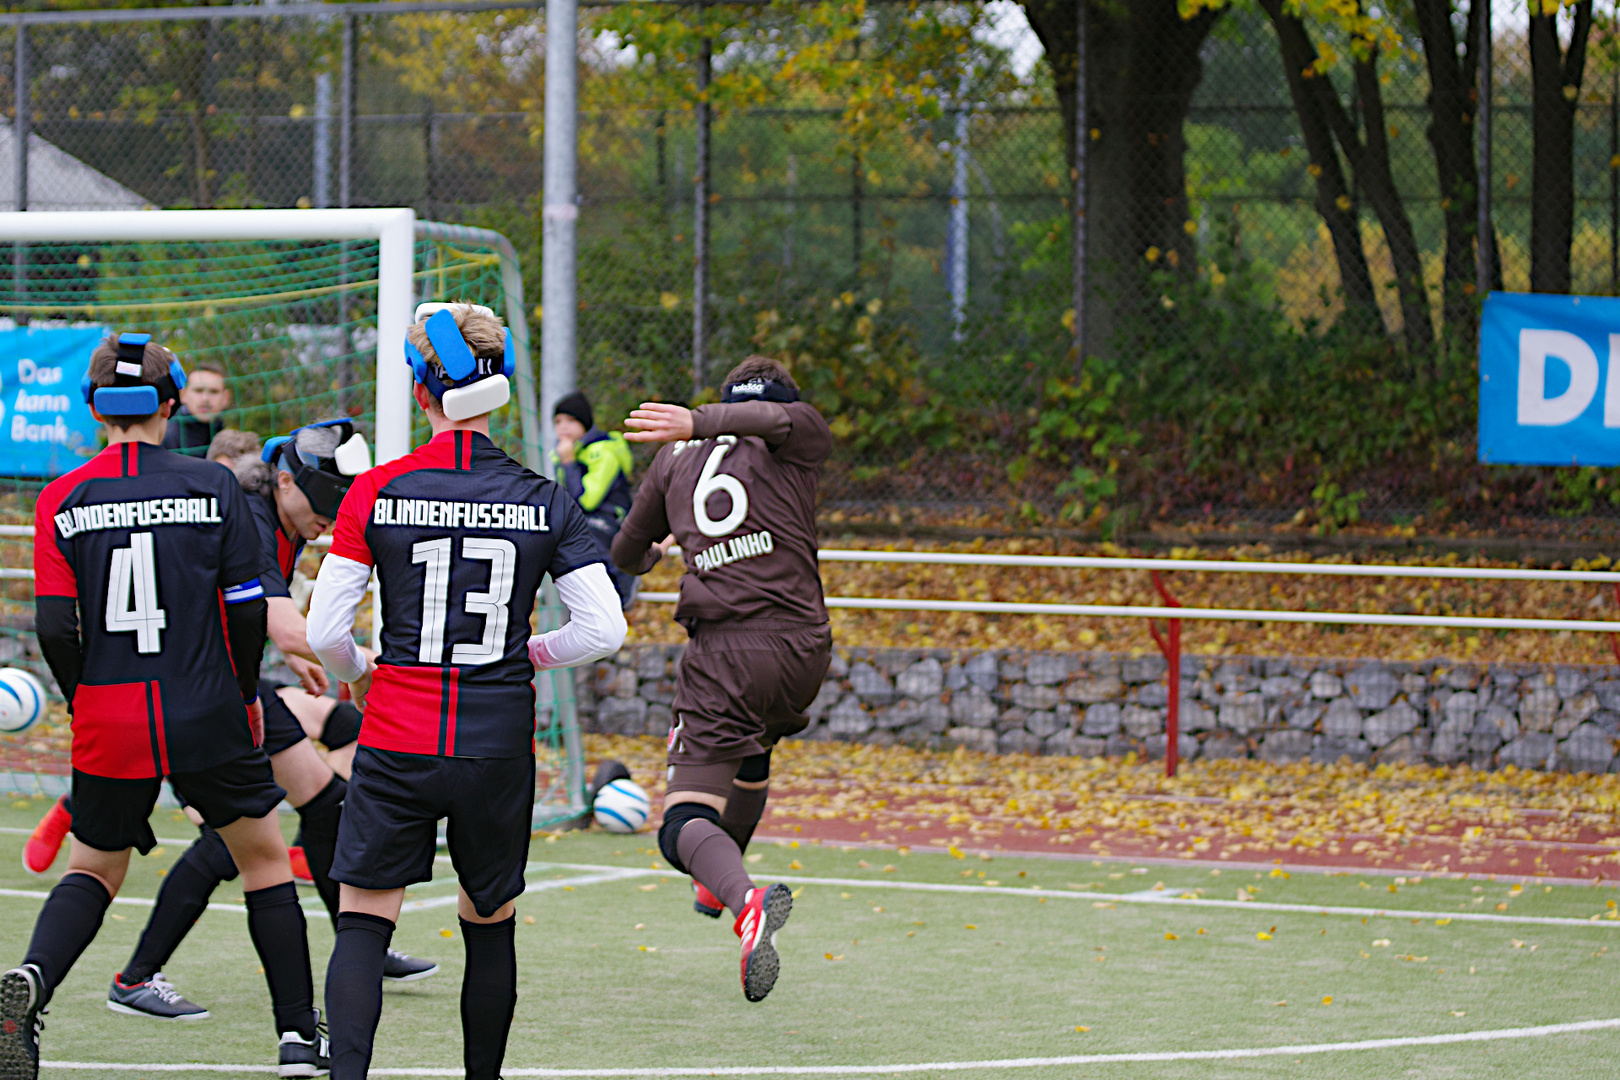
738	691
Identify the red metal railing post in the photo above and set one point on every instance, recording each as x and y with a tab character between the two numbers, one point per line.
1171	649
1614	639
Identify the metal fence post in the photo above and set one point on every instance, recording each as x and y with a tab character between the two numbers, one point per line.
346	85
21	130
700	220
1482	135
321	163
1082	142
958	221
559	308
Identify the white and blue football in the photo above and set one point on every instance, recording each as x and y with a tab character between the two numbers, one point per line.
622	807
22	700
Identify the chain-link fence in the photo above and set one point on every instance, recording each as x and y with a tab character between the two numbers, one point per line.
1279	228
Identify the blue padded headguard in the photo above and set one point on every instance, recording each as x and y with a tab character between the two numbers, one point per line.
130	394
469	385
324	481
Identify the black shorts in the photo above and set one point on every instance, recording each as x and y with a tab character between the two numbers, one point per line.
111	815
740	691
389	831
281	728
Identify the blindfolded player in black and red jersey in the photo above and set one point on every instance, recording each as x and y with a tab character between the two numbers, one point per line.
150	612
460	536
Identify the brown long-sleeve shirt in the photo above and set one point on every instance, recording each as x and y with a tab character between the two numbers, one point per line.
740	497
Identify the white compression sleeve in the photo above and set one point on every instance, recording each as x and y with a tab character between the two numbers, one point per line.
596	625
339	588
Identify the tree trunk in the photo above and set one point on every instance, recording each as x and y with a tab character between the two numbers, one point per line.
1452	108
1555	88
1312	97
1371	165
1143	67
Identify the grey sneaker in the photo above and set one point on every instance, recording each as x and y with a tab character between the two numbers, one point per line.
301	1057
156	997
397	967
22	1003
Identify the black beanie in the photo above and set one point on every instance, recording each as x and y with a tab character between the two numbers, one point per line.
578	406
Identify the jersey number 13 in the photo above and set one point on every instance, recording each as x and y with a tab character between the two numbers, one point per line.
491	603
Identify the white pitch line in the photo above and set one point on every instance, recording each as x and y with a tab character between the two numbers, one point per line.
599	875
1152	896
1496	1035
12	830
137	901
609	874
1380	913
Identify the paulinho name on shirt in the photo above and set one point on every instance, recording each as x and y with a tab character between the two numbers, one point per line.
738	547
130	515
436	514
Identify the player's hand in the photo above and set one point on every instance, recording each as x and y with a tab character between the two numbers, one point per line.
192	816
311	676
658	422
663	546
255	711
565	451
362	686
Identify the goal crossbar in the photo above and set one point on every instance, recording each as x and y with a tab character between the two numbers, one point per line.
394	229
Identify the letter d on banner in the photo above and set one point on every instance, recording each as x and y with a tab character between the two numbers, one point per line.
1542	362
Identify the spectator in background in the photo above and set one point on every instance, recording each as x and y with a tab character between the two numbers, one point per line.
196	423
594	466
229	445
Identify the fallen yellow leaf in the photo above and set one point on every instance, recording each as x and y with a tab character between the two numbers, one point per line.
795	865
1327	999
1081	1027
1262	935
1168	936
969	926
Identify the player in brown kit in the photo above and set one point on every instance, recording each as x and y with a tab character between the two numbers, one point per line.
737	488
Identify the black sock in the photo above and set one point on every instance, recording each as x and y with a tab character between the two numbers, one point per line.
743	810
67	923
276	925
180	903
319	829
488	995
354	991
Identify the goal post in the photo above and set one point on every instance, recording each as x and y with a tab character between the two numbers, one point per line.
306	312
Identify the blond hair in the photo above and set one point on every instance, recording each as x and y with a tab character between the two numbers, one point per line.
484	334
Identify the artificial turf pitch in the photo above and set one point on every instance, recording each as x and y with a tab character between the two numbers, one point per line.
619	973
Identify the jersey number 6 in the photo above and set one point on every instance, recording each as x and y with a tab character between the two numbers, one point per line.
491	603
132	606
710	482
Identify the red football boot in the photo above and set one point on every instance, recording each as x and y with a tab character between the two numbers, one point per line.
762	916
42	847
300	865
705	902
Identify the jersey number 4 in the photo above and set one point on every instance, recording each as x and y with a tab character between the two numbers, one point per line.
132	606
491	604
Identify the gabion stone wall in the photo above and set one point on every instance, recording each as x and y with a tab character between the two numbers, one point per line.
1280	709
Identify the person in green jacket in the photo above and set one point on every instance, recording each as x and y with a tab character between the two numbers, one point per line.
595	466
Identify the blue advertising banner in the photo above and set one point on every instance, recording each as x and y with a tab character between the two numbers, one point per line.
1549	380
45	427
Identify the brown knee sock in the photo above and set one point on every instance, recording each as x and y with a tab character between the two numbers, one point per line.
713	858
743	810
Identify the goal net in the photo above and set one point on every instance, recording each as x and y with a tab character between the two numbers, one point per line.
305	313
